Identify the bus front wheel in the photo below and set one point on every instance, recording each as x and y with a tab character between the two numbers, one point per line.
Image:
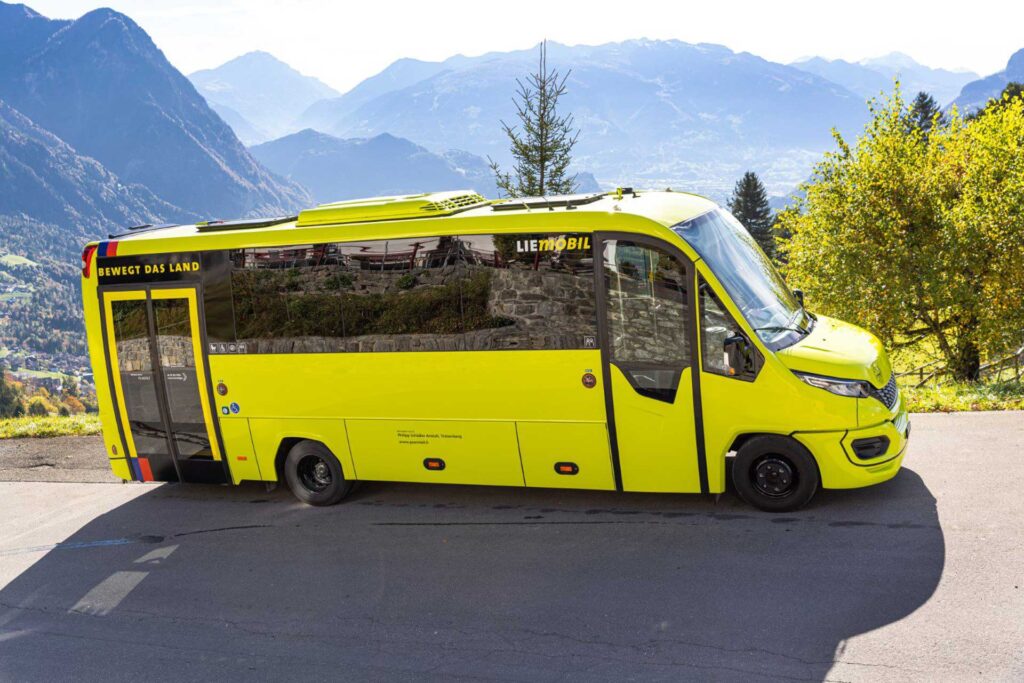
775	473
314	475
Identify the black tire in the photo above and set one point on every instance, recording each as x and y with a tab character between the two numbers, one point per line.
775	473
314	475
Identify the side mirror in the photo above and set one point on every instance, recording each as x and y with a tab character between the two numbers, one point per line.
799	294
737	354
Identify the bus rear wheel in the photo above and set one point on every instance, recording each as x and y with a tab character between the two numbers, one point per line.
314	475
775	474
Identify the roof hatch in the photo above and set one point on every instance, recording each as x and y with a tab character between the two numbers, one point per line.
398	207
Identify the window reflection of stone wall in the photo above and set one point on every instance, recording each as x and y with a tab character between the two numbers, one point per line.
431	294
645	328
176	351
133	355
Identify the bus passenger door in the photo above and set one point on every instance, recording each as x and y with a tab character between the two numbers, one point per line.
160	385
647	346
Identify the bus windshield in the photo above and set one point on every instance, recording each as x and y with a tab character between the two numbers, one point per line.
748	276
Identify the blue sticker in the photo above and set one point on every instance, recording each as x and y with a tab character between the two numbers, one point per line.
235	408
225	411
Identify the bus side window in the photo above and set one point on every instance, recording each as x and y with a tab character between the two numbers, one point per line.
716	326
647	315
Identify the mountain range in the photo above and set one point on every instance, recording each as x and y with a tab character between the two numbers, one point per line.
98	131
652	113
871	77
335	169
102	86
977	93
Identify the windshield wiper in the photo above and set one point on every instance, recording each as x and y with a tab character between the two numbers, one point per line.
781	328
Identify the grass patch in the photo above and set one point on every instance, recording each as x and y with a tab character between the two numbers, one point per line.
15	260
37	427
953	397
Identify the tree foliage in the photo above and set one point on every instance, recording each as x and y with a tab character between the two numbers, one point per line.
10	397
919	236
749	204
542	143
39	407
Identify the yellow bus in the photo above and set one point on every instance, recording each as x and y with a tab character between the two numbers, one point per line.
623	341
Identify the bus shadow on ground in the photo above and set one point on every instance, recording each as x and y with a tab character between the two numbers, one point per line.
432	582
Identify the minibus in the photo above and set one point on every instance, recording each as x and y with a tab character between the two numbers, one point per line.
622	341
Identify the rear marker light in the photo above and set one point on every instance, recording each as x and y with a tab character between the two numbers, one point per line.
87	254
434	464
566	468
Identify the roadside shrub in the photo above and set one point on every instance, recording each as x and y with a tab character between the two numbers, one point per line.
38	407
74	405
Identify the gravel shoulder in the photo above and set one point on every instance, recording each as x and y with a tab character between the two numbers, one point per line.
59	459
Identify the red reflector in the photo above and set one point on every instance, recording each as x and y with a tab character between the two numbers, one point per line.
87	255
147	472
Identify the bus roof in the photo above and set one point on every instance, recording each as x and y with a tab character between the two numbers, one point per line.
663	207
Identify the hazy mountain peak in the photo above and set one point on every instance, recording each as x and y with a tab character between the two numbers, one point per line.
899	60
264	92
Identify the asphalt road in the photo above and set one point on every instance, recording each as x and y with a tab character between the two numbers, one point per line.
920	578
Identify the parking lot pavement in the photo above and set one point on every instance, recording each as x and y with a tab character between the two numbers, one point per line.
919	578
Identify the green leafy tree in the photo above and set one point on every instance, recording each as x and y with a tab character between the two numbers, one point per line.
749	204
69	386
925	112
919	237
38	407
10	397
542	143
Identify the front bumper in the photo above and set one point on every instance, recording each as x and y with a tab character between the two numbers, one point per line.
840	467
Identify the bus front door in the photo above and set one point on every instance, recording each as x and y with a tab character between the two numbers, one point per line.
648	357
160	385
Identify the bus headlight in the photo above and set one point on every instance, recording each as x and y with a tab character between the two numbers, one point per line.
840	387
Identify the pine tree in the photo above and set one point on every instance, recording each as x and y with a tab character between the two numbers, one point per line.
542	149
923	111
749	204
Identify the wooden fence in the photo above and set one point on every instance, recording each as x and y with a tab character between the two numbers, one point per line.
1008	368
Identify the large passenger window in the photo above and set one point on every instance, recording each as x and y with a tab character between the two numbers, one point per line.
540	286
647	311
466	292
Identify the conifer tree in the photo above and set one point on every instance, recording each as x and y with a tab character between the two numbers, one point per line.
923	111
749	204
542	143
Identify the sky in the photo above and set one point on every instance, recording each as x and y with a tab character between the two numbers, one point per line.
344	42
